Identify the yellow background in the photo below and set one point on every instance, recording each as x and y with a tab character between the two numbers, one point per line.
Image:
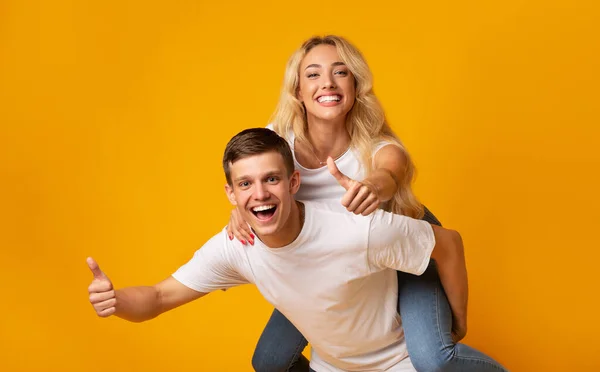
114	116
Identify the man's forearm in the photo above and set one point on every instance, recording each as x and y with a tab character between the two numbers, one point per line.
452	269
138	304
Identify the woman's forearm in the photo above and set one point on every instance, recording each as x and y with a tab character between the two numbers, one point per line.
384	182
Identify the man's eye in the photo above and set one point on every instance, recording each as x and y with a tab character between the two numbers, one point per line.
244	184
272	179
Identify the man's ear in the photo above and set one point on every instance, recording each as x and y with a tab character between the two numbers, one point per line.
230	194
294	182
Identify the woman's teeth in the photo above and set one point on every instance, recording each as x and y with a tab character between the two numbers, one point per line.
334	98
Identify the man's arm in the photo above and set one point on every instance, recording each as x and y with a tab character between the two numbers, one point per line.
136	304
406	244
449	255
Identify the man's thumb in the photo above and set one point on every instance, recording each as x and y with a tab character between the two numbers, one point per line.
98	274
342	179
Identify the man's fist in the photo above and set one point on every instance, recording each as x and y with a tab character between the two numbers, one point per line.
102	294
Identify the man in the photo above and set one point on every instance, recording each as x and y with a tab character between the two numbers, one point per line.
330	272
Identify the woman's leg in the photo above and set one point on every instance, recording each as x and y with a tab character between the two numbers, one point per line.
427	321
280	346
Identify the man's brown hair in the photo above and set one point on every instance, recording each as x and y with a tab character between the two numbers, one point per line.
256	141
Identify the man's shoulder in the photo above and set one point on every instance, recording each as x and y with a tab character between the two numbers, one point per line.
220	243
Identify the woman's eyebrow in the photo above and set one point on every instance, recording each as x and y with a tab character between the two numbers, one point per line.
333	64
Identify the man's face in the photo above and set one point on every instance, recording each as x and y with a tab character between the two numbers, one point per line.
263	193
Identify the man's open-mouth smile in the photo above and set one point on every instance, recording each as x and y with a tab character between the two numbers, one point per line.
264	212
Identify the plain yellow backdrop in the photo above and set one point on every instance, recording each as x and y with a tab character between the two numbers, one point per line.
114	116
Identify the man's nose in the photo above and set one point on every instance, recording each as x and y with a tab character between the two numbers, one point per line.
261	192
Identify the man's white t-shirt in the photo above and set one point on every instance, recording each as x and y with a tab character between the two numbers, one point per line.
336	282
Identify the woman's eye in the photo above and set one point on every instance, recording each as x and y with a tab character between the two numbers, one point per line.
314	74
341	72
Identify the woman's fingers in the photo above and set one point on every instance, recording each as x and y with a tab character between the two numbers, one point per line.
368	205
351	193
363	200
359	198
372	208
239	229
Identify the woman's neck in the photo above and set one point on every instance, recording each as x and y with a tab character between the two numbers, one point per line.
328	138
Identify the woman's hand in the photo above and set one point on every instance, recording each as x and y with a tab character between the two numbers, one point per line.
239	229
360	197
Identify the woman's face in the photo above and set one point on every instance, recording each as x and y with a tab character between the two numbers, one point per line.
326	84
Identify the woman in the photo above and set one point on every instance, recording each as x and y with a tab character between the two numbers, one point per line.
328	109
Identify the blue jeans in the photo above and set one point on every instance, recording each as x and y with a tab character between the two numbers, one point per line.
426	318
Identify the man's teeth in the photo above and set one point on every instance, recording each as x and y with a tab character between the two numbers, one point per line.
263	208
335	98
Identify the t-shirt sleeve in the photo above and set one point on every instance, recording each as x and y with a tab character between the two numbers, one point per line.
399	242
214	266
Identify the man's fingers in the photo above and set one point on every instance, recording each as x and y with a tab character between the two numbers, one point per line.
342	179
101	306
106	312
100	286
97	297
98	274
456	337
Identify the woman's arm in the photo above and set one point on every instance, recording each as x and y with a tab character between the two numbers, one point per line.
363	197
389	165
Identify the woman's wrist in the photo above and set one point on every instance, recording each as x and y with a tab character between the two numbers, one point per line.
384	182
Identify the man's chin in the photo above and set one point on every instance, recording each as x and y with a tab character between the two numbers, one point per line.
264	231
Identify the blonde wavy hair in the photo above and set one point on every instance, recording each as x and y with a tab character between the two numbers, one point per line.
365	122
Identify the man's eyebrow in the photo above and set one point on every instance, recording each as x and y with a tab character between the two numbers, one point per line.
237	179
317	65
264	175
272	173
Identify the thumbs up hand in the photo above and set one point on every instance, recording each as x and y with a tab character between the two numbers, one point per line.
102	294
360	197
